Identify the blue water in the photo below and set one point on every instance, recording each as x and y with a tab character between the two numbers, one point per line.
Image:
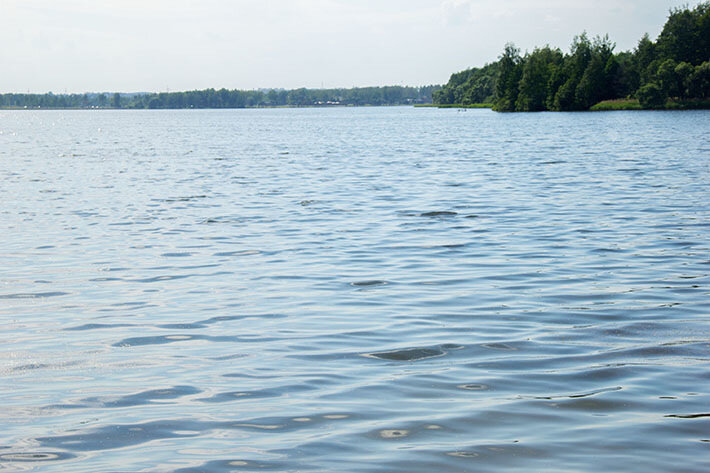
360	290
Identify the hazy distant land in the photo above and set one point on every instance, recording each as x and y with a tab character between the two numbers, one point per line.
223	98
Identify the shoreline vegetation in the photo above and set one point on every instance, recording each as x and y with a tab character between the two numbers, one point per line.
603	106
223	98
672	72
456	105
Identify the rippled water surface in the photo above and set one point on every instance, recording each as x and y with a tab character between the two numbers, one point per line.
360	290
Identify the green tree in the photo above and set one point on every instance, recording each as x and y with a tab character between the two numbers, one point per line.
154	102
564	98
624	79
509	74
644	55
667	78
686	35
537	70
479	87
651	96
592	86
699	83
116	100
683	73
575	65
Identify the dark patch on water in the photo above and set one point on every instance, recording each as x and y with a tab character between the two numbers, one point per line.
31	366
181	199
408	354
171	277
439	213
238	253
229	357
369	283
474	387
35	457
687	416
499	346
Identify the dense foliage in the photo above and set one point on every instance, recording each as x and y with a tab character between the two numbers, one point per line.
469	87
223	98
676	66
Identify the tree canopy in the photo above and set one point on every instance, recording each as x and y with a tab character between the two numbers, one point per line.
223	98
675	66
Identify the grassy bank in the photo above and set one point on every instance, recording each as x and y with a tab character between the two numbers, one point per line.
633	104
617	104
456	105
690	104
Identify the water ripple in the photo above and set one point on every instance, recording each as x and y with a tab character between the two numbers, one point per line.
354	289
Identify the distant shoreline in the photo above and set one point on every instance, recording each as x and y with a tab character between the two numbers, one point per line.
260	107
616	105
223	98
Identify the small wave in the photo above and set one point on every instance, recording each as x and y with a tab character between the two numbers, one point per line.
580	395
79	328
151	396
163	278
181	199
33	295
163	339
238	253
237	395
474	387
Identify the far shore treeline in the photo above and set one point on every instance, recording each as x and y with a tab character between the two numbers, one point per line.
672	72
223	98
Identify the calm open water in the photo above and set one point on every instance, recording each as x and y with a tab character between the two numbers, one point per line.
356	290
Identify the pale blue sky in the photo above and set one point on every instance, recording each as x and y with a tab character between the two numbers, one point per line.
153	45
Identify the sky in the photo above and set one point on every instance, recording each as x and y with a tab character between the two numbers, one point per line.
80	46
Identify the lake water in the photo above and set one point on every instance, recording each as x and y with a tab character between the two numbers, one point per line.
354	289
